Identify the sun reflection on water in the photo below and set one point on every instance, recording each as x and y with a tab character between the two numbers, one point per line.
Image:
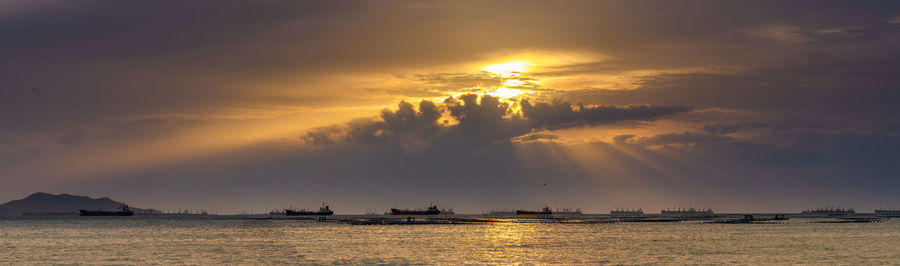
507	241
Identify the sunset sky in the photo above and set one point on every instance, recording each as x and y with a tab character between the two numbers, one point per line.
245	106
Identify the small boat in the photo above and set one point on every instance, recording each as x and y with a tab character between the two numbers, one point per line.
544	211
324	210
431	210
123	211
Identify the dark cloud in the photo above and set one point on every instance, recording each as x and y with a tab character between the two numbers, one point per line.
478	121
74	137
405	123
562	115
848	151
839	76
621	139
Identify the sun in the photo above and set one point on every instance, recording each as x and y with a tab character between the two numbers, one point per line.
508	69
509	72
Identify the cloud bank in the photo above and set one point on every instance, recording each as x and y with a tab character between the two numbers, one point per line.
478	121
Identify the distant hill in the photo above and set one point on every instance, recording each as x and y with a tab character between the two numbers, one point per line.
45	203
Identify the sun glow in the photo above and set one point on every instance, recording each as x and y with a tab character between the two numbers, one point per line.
508	69
509	72
506	92
513	83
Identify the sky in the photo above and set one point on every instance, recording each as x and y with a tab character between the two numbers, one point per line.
242	107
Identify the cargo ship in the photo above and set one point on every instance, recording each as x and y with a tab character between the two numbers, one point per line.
829	211
689	212
324	210
888	212
431	210
626	212
545	210
123	211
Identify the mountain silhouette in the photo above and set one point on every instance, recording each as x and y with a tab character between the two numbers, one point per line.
45	203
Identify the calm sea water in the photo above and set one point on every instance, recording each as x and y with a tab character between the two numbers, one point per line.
169	240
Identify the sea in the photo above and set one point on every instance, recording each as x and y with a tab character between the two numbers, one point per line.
254	240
